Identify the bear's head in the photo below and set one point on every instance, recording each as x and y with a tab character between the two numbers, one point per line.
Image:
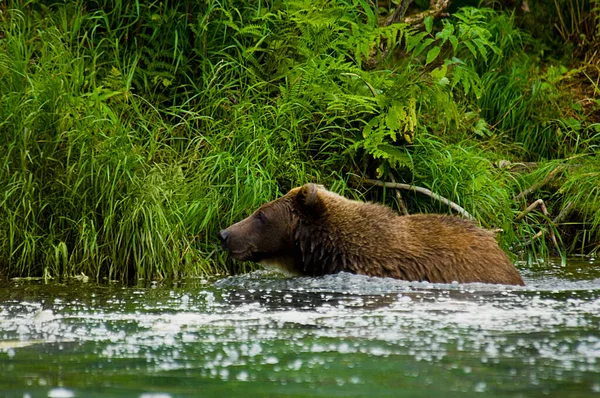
269	234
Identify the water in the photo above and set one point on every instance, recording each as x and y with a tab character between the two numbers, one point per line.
342	335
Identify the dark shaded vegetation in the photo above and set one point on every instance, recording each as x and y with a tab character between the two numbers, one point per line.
133	131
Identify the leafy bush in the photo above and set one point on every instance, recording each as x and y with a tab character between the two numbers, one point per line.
133	132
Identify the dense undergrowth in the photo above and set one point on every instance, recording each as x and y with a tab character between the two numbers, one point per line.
131	132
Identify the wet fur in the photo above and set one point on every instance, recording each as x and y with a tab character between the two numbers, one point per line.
326	233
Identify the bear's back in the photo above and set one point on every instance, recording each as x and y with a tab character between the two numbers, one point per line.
442	249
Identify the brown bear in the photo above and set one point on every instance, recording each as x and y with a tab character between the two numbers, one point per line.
312	231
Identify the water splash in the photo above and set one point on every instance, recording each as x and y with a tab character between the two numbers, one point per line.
341	330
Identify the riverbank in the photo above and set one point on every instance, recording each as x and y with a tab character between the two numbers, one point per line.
132	133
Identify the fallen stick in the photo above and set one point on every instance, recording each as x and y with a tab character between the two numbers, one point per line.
414	188
533	238
539	203
437	8
529	209
562	215
401	203
540	184
398	14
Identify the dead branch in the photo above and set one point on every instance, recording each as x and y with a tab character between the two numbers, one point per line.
558	219
401	203
539	184
398	13
539	203
437	9
526	167
421	190
533	238
517	167
563	213
529	209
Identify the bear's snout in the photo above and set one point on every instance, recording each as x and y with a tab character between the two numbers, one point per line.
223	235
235	243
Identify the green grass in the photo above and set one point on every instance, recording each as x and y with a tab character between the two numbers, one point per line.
134	132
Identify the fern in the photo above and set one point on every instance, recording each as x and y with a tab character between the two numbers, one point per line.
396	124
468	38
465	76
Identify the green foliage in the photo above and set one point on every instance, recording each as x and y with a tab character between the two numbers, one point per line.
582	189
578	23
134	131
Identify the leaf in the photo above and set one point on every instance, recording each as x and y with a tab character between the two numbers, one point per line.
481	47
457	73
412	41
371	18
428	24
440	73
454	41
365	50
477	87
367	131
481	128
471	48
466	84
432	54
446	33
422	47
397	156
391	119
391	150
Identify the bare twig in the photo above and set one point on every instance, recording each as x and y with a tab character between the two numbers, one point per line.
401	203
561	216
437	8
520	167
525	167
529	209
563	213
533	238
539	203
540	184
422	190
398	13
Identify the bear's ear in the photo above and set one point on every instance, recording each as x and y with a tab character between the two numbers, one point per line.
309	200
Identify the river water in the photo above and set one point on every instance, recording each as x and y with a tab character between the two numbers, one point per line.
262	335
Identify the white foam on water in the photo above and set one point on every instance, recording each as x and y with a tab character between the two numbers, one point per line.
238	320
60	393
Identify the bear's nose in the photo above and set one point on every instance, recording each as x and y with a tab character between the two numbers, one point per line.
223	234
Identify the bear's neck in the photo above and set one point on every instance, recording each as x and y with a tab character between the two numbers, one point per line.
326	247
320	252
